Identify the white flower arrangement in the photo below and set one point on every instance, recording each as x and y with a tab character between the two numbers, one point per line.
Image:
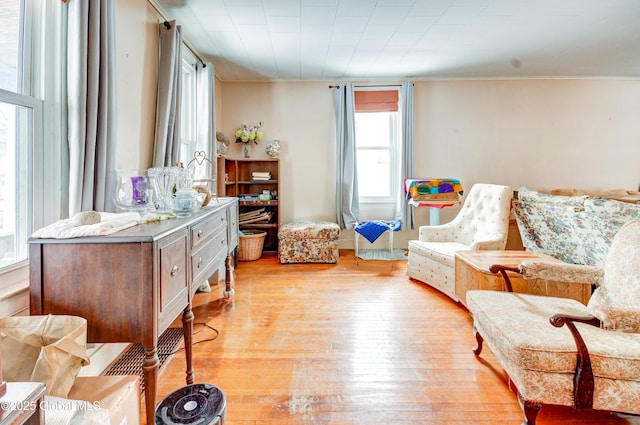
249	133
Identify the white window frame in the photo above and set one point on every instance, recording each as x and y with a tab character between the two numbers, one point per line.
41	76
24	157
381	207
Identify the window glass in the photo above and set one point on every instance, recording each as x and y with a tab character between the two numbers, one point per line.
10	11
16	138
16	123
377	138
373	129
188	120
374	178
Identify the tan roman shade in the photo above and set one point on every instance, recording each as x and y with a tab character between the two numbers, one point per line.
376	101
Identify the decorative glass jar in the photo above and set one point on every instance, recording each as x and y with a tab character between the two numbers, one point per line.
133	191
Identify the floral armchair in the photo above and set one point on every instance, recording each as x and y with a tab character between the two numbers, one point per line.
559	351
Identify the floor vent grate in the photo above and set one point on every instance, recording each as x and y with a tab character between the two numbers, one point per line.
130	362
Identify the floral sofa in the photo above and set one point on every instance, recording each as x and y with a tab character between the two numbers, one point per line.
557	350
575	229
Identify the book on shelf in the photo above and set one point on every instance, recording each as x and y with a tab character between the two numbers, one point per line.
261	175
250	214
264	216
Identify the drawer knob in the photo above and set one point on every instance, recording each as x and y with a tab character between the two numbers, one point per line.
222	241
175	270
199	262
200	232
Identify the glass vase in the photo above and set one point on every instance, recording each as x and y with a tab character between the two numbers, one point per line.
246	150
133	191
163	181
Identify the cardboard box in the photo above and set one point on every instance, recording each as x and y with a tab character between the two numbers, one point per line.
120	395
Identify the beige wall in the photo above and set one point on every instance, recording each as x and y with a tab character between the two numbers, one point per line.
137	57
540	134
537	133
300	115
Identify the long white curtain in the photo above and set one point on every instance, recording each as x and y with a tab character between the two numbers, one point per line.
347	203
206	121
91	89
404	212
206	107
166	147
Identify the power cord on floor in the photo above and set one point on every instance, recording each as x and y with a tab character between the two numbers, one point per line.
204	325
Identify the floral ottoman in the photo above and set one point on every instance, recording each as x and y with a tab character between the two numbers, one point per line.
308	242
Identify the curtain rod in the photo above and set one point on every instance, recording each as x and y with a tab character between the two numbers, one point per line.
167	25
378	85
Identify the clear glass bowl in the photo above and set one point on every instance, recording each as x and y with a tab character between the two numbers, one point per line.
187	202
133	191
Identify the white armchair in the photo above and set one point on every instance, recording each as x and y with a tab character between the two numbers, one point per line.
481	224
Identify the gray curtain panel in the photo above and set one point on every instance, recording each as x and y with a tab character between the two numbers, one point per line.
404	212
91	89
347	203
166	148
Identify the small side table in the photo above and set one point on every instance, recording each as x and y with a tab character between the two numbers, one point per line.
383	226
434	208
433	193
472	272
21	404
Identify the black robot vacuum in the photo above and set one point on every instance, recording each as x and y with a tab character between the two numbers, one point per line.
201	404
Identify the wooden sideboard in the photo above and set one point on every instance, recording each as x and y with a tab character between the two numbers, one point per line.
131	285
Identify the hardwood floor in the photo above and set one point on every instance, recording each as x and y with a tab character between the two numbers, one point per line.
346	344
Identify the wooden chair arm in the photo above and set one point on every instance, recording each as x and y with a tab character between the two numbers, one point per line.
583	382
499	268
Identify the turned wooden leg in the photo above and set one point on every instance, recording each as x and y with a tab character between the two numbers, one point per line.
530	410
228	290
478	349
150	366
187	326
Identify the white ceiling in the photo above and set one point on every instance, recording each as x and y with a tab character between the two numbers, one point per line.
332	40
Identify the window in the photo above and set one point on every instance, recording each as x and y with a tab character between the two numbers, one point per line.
188	119
377	140
195	114
16	137
26	179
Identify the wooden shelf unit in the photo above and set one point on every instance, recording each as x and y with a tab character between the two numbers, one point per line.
235	180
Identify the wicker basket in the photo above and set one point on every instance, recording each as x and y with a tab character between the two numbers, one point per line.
250	245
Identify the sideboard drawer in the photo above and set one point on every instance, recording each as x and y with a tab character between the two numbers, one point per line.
201	231
232	228
212	253
173	290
